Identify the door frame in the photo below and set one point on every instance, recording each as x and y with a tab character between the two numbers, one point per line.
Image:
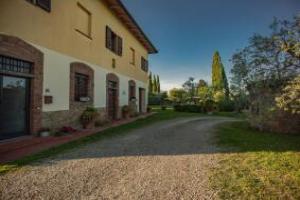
141	106
17	48
27	100
113	78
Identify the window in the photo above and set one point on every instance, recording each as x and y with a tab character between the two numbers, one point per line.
44	4
131	92
84	21
144	64
8	64
114	42
132	56
81	86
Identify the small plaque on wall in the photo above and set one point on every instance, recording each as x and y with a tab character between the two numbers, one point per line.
48	99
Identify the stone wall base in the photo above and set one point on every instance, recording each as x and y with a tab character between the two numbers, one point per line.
58	119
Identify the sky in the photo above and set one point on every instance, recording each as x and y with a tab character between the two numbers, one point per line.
188	32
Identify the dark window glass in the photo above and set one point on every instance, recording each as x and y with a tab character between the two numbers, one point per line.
8	64
114	42
131	92
44	4
144	64
112	84
81	86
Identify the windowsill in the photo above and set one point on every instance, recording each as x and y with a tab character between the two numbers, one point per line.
85	35
113	52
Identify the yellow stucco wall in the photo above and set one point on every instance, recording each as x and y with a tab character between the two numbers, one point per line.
56	31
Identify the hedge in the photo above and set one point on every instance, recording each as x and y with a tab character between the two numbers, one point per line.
189	108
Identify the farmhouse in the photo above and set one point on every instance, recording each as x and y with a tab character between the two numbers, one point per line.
59	57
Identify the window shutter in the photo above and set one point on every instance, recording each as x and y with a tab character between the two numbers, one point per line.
44	4
144	64
108	38
120	46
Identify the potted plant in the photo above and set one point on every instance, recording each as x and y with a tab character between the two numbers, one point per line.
88	117
125	111
44	132
149	109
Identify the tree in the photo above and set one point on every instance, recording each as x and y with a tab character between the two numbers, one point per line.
177	95
217	72
190	87
219	79
226	86
272	59
150	83
289	99
266	66
202	83
154	84
158	84
202	89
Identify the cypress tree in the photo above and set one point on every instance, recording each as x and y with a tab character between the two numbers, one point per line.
150	84
158	84
226	86
154	84
219	79
217	72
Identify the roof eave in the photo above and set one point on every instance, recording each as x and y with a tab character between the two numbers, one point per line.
140	35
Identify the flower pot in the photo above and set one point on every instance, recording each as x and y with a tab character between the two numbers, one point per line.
126	115
45	134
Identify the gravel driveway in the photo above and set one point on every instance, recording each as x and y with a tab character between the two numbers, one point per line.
167	160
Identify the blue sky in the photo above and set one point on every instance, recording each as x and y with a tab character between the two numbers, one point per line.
187	32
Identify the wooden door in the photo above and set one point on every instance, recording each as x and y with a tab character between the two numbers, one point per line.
142	100
112	101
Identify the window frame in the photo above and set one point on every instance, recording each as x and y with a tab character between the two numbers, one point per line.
113	41
144	64
77	87
89	14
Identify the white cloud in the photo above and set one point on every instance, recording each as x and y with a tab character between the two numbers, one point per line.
168	85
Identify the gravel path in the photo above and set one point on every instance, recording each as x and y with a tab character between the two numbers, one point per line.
167	160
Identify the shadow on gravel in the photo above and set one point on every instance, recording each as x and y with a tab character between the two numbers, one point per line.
179	137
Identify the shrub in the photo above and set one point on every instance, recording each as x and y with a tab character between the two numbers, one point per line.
88	116
149	109
226	106
154	99
126	111
189	108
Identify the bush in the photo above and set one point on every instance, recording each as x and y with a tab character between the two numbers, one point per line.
149	109
226	106
189	108
88	116
154	99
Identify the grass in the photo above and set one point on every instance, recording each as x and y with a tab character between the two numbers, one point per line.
258	165
123	129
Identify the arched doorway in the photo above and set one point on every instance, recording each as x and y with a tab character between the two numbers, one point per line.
112	97
21	86
131	90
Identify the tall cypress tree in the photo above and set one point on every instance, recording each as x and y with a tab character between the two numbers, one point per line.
219	79
217	72
150	84
158	84
226	86
154	84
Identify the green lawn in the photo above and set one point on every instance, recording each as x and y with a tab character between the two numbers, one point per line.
123	129
257	165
